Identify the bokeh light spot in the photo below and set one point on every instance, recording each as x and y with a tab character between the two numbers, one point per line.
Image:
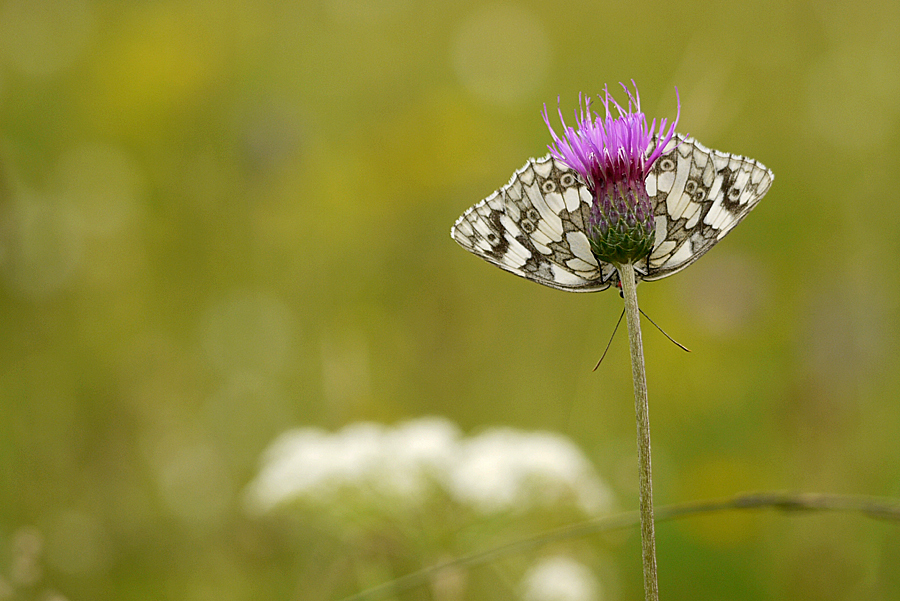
41	248
247	331
502	54
195	484
104	187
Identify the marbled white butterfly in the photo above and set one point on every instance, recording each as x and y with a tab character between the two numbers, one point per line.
535	226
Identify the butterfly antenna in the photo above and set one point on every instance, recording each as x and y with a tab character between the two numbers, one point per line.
616	329
675	342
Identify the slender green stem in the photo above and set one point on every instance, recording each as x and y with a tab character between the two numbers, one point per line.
642	412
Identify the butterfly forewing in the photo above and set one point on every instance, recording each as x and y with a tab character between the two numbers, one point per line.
698	196
536	225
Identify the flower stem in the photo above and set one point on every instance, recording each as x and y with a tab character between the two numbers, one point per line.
642	412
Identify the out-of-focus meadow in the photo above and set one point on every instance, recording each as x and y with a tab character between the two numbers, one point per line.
221	221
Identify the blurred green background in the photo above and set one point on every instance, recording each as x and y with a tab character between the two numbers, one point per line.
223	219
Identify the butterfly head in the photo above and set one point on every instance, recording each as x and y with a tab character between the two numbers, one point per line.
610	154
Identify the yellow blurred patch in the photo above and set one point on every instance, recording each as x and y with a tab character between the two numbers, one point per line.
712	479
440	140
162	58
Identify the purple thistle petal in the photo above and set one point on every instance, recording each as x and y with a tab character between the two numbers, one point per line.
610	147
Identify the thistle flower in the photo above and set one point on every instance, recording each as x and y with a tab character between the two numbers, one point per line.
610	154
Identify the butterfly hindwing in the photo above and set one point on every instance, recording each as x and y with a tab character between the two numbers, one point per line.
535	228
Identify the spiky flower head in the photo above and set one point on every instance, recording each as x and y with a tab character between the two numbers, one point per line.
610	154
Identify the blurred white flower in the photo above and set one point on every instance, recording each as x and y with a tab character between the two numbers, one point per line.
560	578
504	469
310	463
420	453
498	470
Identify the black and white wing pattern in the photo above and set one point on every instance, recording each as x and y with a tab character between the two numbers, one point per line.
698	196
536	225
